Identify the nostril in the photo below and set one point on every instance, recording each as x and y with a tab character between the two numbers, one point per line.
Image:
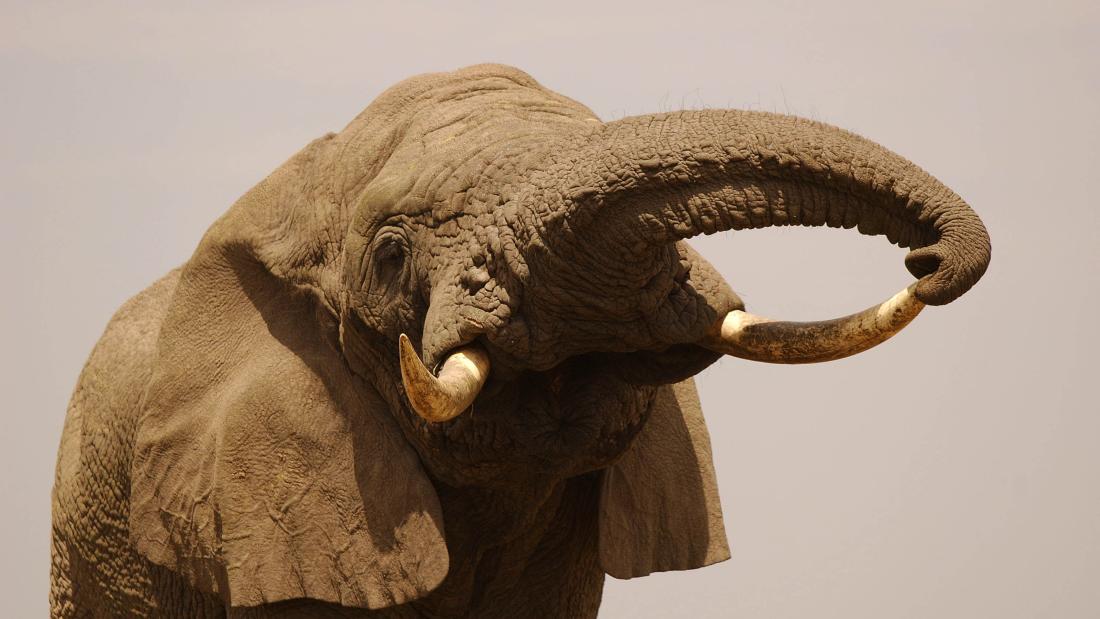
923	262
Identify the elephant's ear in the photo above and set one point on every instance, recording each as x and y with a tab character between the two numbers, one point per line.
659	508
263	469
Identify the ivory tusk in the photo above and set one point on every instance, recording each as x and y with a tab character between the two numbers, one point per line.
461	378
747	336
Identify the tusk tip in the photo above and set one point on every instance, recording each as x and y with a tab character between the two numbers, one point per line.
403	343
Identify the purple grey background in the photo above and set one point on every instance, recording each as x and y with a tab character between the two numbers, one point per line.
953	472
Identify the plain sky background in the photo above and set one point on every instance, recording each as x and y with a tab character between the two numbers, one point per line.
953	472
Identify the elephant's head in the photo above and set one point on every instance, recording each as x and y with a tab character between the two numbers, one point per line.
477	283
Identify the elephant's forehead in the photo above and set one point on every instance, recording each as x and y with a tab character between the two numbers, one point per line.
441	104
455	149
462	133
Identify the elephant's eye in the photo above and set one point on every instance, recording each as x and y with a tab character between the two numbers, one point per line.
390	254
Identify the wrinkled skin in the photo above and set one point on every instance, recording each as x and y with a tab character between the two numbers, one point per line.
240	442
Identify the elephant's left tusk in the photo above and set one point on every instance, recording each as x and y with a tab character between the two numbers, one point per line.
461	378
744	335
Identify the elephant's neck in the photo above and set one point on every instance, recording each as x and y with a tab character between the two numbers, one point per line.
514	548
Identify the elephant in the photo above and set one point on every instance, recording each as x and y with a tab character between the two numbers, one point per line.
440	363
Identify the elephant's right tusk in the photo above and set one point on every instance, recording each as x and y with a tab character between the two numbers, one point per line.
744	335
461	378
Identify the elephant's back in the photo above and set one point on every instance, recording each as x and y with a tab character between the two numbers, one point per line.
94	570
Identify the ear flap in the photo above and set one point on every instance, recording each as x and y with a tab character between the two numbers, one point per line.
263	469
659	508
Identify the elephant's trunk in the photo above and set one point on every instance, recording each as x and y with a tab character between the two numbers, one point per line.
644	182
605	210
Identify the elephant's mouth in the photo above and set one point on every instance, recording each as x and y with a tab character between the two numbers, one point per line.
577	416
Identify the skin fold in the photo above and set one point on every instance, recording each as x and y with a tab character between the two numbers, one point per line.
240	442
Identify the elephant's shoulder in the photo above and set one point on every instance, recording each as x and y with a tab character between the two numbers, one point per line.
105	401
119	366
